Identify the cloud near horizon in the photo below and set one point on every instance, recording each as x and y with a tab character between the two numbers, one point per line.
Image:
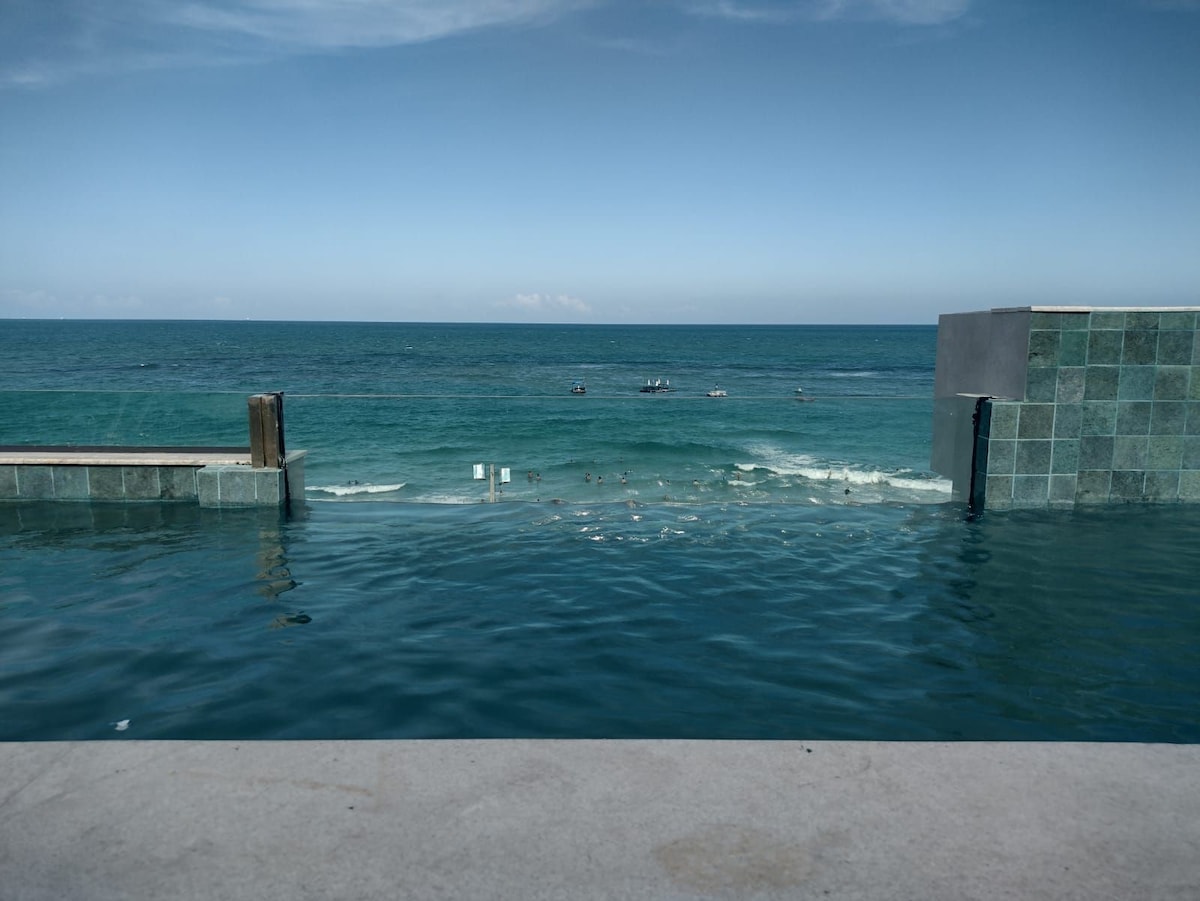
544	303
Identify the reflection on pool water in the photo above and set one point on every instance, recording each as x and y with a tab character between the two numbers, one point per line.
377	620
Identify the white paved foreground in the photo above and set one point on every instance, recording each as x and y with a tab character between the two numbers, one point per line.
598	819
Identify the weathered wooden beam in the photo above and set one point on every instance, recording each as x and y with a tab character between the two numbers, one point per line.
266	430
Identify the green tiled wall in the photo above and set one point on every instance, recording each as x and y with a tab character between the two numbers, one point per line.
1111	413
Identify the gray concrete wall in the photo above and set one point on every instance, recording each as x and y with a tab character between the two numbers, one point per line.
982	353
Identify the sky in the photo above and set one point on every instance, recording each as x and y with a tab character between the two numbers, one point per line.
596	161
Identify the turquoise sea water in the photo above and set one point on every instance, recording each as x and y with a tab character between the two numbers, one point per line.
768	568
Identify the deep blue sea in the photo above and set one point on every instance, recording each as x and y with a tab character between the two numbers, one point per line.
767	564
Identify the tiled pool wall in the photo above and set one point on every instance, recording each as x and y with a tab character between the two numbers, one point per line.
1110	414
211	485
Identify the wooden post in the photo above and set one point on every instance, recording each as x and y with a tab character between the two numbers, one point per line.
266	431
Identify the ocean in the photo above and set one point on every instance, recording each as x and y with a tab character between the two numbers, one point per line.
772	563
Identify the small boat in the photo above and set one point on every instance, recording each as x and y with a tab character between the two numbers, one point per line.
579	388
658	386
717	391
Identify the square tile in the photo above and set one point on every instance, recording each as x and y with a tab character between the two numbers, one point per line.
1136	383
1001	456
35	482
1104	348
1189	486
1140	347
1169	417
268	486
1036	421
141	482
1004	419
177	483
1099	417
1194	383
1071	381
1171	382
8	481
1041	385
1162	486
1033	458
1127	485
1165	452
1043	347
1062	489
1093	487
106	483
1064	457
237	486
1133	417
1096	452
1130	452
1073	349
999	493
1175	348
1031	491
1192	427
1068	420
1191	453
1102	382
71	483
208	486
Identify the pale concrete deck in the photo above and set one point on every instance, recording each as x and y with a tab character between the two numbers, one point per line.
598	819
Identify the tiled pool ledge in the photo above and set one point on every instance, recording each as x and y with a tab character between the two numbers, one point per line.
1069	406
211	477
598	819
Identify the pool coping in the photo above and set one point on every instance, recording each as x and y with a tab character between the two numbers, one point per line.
598	819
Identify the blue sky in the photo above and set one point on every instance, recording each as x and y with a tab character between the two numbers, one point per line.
756	161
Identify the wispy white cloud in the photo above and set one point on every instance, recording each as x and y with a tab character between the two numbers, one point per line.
547	303
907	12
48	41
324	24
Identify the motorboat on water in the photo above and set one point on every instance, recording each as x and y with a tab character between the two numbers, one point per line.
658	386
579	388
717	391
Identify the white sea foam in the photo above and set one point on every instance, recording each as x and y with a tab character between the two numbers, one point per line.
344	490
783	464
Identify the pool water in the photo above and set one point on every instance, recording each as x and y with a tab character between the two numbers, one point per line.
614	620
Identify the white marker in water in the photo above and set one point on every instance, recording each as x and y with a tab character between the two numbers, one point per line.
121	725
